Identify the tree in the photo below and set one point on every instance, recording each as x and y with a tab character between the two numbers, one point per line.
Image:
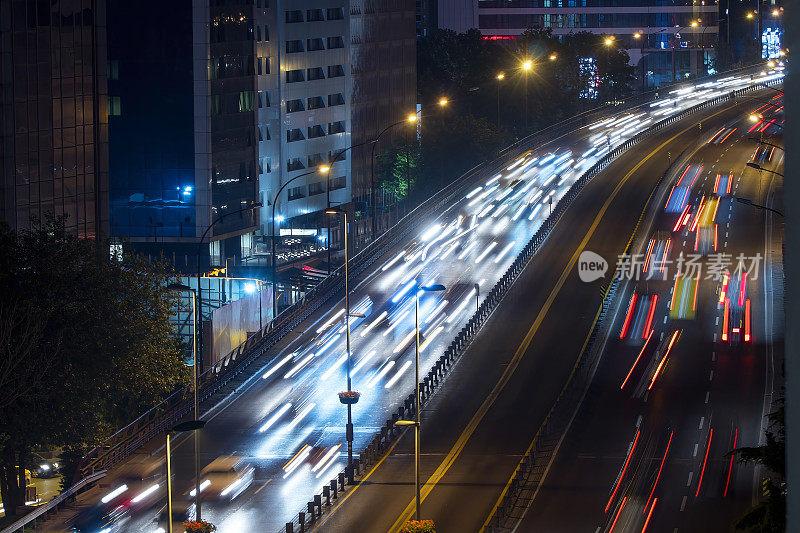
88	344
768	516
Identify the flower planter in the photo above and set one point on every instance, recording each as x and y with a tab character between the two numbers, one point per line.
419	526
199	527
349	397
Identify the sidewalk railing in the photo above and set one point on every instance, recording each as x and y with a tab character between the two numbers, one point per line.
42	511
384	439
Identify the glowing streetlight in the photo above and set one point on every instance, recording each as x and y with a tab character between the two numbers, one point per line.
443	102
500	76
412	118
527	64
637	35
609	41
754	118
553	57
749	15
776	12
694	24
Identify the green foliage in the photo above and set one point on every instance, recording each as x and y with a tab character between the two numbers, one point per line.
769	515
397	170
86	340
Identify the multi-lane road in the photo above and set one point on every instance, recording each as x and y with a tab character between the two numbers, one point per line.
287	422
478	426
690	371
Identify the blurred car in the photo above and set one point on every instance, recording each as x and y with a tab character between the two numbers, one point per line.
101	519
47	469
225	478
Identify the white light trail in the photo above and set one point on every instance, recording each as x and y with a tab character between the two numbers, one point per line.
435	312
388	366
333	368
326	457
145	493
203	486
374	323
296	461
485	252
405	341
466	250
274	418
504	251
362	362
330	321
429	338
298	366
114	493
280	364
397	375
461	306
300	416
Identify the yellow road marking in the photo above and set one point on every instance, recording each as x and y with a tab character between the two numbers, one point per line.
511	368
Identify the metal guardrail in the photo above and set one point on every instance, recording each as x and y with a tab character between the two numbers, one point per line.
42	510
156	420
430	383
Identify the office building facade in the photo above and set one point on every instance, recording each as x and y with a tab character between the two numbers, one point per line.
53	127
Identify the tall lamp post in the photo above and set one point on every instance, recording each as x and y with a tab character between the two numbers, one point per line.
349	427
191	425
179	287
500	77
324	169
409	119
527	65
416	421
199	248
639	36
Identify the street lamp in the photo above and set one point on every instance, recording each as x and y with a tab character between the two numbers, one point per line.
553	57
609	41
416	422
500	77
412	118
747	201
179	287
759	167
349	427
527	65
324	169
638	36
191	425
761	141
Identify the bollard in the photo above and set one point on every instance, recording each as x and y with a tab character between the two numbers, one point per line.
311	511
326	493
289	527
341	479
357	466
302	519
318	503
335	490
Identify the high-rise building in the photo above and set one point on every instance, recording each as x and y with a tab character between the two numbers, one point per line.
383	58
53	120
306	77
218	104
183	109
676	38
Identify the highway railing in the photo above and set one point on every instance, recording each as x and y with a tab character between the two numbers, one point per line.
215	379
41	512
389	432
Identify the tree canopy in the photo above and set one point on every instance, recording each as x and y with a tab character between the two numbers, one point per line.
87	344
